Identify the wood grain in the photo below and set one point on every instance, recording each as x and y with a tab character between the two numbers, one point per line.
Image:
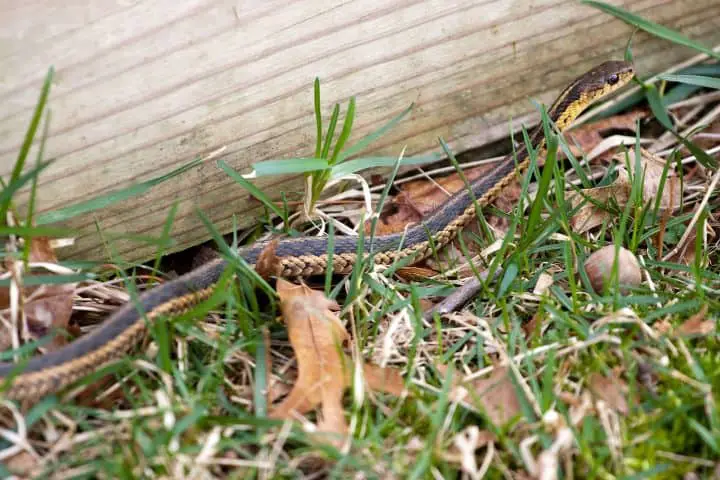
143	87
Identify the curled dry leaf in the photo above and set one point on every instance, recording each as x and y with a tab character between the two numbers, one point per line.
589	215
496	394
698	324
610	389
23	464
324	370
46	307
662	326
419	198
585	138
267	263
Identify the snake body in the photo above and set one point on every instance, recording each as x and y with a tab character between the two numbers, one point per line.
297	257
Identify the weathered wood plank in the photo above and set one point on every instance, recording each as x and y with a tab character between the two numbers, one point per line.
143	87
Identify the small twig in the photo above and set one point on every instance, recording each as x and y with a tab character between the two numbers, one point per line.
461	296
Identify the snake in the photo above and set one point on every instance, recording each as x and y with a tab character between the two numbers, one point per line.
31	379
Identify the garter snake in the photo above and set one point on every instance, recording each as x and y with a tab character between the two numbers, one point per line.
297	257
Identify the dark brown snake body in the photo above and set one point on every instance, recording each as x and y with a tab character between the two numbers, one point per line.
297	257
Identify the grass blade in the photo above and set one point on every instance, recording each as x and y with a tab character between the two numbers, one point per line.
364	163
698	80
657	106
288	166
371	137
7	193
331	131
651	27
254	191
345	132
103	201
318	118
27	142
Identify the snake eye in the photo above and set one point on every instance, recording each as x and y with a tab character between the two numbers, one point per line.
613	79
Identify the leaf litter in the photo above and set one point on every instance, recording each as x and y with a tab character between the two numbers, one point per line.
44	309
324	370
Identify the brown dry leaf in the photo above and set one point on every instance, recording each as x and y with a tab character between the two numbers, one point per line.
419	198
324	371
698	324
533	327
46	307
415	273
49	307
586	137
590	216
654	167
400	213
267	262
316	335
611	389
662	326
496	394
381	379
22	464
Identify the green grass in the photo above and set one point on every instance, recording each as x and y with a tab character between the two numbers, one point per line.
195	399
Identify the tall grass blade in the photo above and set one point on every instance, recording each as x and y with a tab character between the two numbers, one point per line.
29	137
111	198
651	27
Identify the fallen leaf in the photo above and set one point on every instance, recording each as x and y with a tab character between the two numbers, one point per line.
697	324
316	336
48	307
267	263
653	166
415	273
589	215
495	394
426	304
662	326
610	389
324	370
532	327
400	212
382	379
420	198
585	138
22	464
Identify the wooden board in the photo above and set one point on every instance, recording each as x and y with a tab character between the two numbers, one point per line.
143	87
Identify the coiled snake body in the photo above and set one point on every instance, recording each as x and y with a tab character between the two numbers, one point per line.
49	373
